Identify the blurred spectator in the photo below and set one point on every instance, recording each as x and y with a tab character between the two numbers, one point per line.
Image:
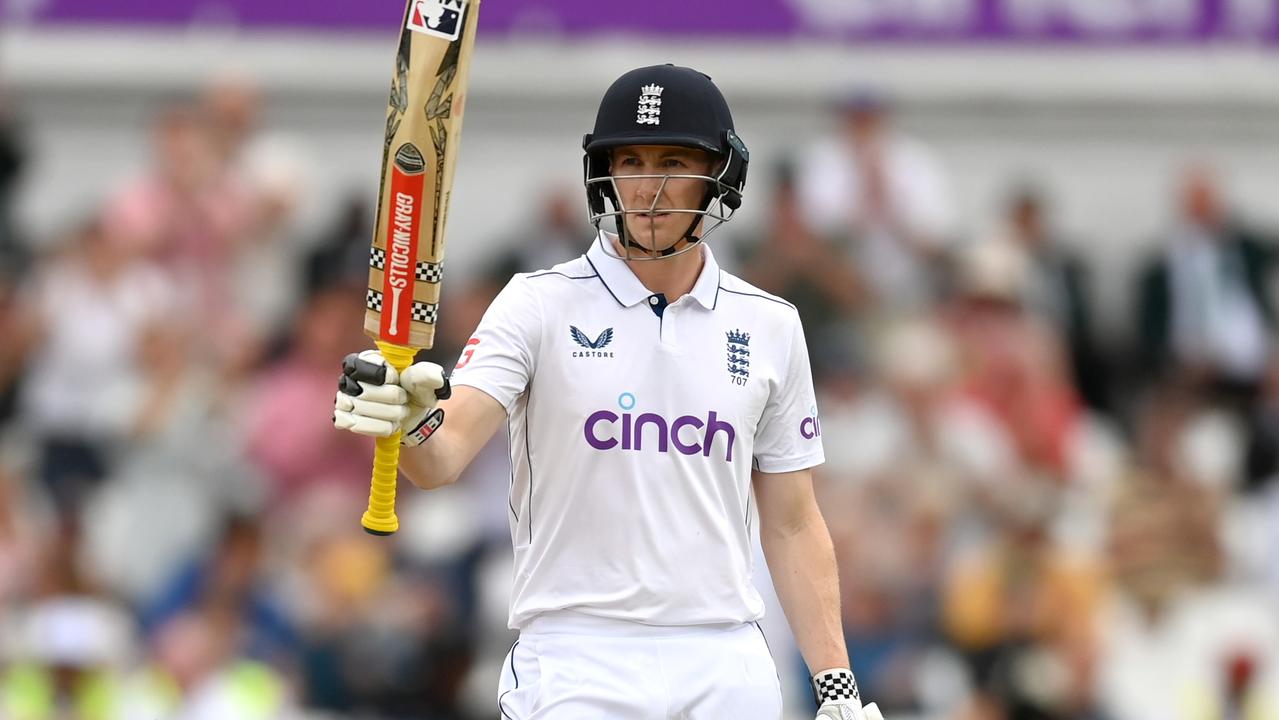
1013	363
231	588
1205	315
889	587
269	168
290	433
22	535
378	640
1263	440
1022	610
884	196
1056	289
914	420
195	219
559	233
791	260
1178	639
193	673
12	352
68	651
1182	435
341	254
911	453
87	316
11	162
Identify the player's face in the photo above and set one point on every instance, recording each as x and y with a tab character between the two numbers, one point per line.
649	179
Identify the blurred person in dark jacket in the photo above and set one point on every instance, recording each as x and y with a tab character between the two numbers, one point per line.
1263	434
1204	313
789	258
11	352
11	162
12	261
1057	289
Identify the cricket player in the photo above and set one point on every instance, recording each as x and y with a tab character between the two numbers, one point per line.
655	406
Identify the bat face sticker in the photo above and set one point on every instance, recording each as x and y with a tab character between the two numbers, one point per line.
440	18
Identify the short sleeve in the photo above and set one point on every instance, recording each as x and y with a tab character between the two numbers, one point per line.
500	355
788	437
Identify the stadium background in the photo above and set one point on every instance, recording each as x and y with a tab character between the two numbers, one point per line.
1044	506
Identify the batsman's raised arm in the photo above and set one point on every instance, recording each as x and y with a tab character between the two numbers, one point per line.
374	400
445	423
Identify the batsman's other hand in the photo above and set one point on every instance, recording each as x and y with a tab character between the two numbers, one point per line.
839	699
375	400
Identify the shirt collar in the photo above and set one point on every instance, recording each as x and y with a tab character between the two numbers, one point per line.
627	289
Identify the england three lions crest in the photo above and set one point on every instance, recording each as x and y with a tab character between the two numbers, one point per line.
649	111
439	18
739	356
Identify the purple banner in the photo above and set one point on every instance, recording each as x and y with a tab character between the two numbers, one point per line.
980	22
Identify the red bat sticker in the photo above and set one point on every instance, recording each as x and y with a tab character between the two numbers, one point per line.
407	181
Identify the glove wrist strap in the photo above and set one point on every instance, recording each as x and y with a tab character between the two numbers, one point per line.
834	685
424	429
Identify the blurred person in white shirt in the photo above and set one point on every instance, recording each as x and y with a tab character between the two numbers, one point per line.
86	315
268	166
883	192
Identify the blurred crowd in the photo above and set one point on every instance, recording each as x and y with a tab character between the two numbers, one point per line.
1034	518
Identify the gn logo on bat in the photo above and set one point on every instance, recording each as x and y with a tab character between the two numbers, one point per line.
439	18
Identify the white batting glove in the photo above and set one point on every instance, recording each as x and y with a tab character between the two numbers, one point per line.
838	698
375	400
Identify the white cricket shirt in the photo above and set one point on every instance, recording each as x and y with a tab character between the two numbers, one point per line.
634	426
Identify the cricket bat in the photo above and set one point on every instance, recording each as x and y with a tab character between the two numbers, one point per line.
423	127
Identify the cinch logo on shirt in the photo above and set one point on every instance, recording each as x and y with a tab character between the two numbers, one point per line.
811	426
607	430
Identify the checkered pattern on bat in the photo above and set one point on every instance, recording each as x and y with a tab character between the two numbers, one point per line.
421	312
425	312
834	685
424	271
429	271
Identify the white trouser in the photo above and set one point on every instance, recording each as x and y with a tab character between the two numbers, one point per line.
573	667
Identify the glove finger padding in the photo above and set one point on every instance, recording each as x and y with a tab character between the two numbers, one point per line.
423	381
344	418
872	712
390	411
369	367
380	394
369	399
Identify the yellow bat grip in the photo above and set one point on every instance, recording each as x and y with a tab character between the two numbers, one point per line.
379	518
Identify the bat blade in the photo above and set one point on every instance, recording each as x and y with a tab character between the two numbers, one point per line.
419	153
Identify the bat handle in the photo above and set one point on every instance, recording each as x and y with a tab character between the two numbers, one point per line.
379	518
